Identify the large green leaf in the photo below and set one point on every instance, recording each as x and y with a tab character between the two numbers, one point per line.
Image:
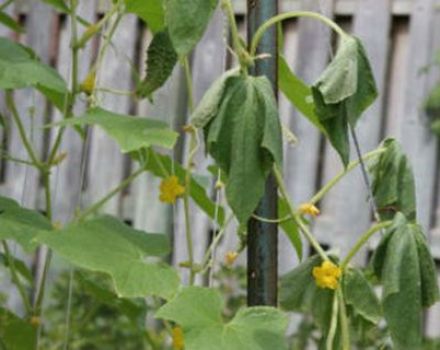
407	272
161	59
151	11
290	227
342	93
359	294
244	138
9	22
131	133
15	333
156	164
198	311
393	182
20	224
187	21
20	68
297	92
107	245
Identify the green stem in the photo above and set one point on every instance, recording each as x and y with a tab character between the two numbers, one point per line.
16	160
16	278
333	323
296	217
288	15
327	187
6	4
345	331
362	240
92	209
21	130
189	85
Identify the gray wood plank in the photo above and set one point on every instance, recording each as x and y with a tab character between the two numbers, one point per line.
346	212
301	161
107	164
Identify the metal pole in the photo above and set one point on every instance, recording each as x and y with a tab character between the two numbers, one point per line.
262	238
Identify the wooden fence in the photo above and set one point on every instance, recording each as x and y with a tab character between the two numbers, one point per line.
401	38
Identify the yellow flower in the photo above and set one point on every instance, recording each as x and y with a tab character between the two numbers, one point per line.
309	208
178	341
170	189
35	321
230	258
327	275
88	85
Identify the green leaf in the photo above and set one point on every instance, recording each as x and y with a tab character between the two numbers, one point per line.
290	227
432	104
160	165
20	68
435	126
187	21
9	22
15	333
119	251
208	107
244	138
161	59
198	311
407	271
20	224
393	182
131	133
343	92
19	266
60	5
359	294
151	11
297	92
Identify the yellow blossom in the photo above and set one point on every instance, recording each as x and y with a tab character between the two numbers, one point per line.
35	321
327	275
309	208
170	189
88	84
230	258
178	341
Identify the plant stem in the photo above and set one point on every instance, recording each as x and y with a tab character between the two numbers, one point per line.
6	4
288	15
344	321
21	129
92	209
296	217
16	160
362	240
333	323
327	187
189	85
16	278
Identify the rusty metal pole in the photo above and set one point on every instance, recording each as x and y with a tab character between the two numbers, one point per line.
262	238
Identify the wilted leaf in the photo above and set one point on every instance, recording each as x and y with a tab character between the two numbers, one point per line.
107	245
131	133
161	59
393	183
342	93
198	311
244	138
187	21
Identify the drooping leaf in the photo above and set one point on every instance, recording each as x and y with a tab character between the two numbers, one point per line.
187	21
9	22
198	311
393	182
131	133
297	92
107	245
343	92
156	163
20	68
406	269
161	59
210	103
15	333
359	294
20	224
290	227
244	138
151	11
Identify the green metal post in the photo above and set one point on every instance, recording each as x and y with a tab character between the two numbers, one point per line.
262	236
